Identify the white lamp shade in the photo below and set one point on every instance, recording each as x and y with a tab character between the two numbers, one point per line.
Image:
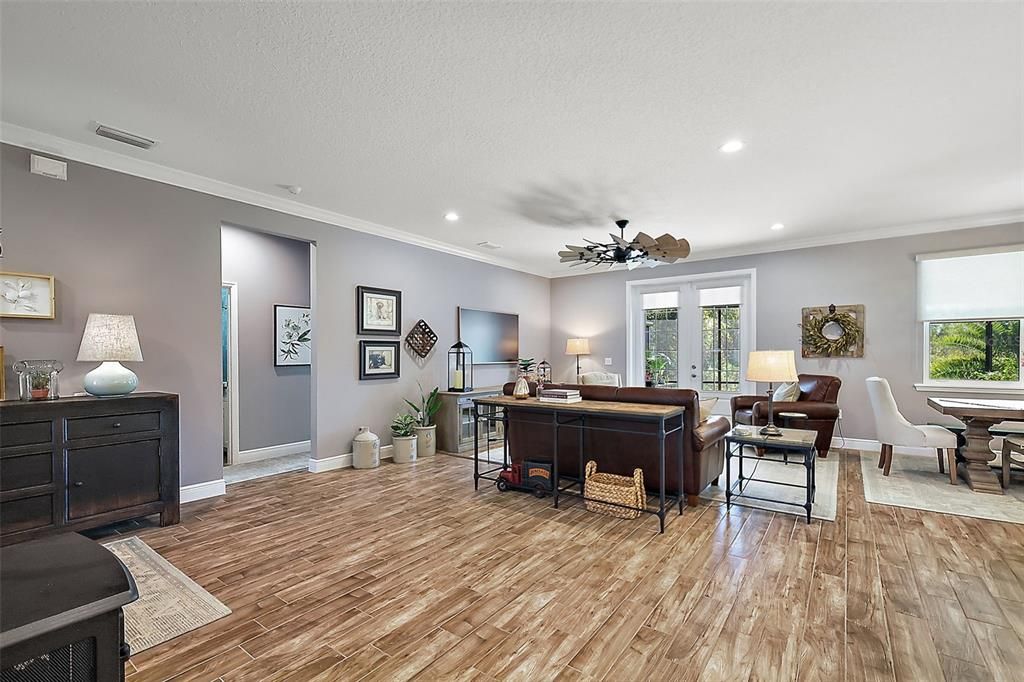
110	338
771	366
577	347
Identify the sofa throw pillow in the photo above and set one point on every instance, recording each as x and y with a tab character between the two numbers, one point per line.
706	405
787	393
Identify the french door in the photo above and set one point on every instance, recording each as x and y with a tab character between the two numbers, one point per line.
693	331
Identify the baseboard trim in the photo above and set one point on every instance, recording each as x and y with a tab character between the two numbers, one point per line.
868	445
318	466
201	491
271	451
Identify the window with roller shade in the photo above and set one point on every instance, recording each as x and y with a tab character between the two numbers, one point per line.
971	304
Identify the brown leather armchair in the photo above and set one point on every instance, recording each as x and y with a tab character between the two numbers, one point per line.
819	394
619	453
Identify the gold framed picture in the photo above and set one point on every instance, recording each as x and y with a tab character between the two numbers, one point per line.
27	295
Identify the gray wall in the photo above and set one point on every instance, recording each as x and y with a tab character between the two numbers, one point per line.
880	274
122	244
273	402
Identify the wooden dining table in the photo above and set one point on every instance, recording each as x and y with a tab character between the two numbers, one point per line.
978	415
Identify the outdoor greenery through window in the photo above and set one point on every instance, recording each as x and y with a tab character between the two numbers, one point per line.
661	346
720	331
974	351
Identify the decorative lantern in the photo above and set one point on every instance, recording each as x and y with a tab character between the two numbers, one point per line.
544	372
460	368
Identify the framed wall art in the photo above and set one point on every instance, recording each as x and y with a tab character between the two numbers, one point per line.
26	295
834	331
293	336
378	312
379	360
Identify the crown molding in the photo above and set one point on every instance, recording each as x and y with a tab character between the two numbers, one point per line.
45	143
909	230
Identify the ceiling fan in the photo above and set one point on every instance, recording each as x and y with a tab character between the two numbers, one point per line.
643	250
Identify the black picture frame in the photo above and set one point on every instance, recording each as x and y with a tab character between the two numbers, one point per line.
361	296
367	373
278	341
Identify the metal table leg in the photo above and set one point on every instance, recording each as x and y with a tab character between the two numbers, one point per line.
661	467
554	460
476	447
680	462
728	474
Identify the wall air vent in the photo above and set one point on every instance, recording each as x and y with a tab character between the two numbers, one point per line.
122	136
489	245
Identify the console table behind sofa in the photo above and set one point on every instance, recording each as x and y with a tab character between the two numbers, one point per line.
703	443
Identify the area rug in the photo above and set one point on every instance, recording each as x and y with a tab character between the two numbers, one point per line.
914	481
169	604
826	474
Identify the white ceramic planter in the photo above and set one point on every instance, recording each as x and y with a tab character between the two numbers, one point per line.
426	440
403	449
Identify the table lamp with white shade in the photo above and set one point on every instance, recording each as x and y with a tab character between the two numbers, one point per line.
111	340
771	366
577	347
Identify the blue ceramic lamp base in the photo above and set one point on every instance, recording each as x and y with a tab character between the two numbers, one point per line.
110	379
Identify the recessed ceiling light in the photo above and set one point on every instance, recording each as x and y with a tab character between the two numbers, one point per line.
294	189
777	226
731	147
451	216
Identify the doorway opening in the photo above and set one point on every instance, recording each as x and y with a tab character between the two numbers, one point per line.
229	368
267	337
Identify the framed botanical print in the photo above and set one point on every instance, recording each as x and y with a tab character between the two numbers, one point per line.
378	312
27	295
379	360
293	334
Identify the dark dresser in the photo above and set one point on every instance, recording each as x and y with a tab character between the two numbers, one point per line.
82	462
61	618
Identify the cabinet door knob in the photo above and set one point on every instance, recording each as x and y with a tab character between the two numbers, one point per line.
78	484
117	425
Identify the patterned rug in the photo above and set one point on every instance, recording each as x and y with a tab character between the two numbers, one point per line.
914	481
169	604
826	478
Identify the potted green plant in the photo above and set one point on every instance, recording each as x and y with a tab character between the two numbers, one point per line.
403	438
426	429
656	363
39	385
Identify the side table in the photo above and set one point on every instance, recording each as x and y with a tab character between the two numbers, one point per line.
800	441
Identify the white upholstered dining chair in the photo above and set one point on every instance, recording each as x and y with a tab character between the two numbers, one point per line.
895	431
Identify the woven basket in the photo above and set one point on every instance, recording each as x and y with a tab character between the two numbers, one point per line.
627	490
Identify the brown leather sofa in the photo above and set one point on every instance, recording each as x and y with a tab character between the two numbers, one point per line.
818	396
531	436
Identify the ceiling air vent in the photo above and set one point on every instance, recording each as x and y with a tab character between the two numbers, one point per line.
122	136
489	245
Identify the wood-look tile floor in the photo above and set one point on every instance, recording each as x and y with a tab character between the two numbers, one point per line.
404	572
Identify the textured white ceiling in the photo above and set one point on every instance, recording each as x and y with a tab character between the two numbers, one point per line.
539	123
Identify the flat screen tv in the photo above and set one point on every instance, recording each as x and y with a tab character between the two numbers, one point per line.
493	337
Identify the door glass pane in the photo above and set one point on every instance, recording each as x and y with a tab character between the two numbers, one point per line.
720	342
661	338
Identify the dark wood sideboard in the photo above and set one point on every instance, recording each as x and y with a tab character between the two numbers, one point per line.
82	462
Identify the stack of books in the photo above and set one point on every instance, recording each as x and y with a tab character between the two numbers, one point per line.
559	395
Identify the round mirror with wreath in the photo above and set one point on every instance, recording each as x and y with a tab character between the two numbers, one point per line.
833	332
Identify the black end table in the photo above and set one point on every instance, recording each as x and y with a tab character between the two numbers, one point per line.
60	610
800	441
